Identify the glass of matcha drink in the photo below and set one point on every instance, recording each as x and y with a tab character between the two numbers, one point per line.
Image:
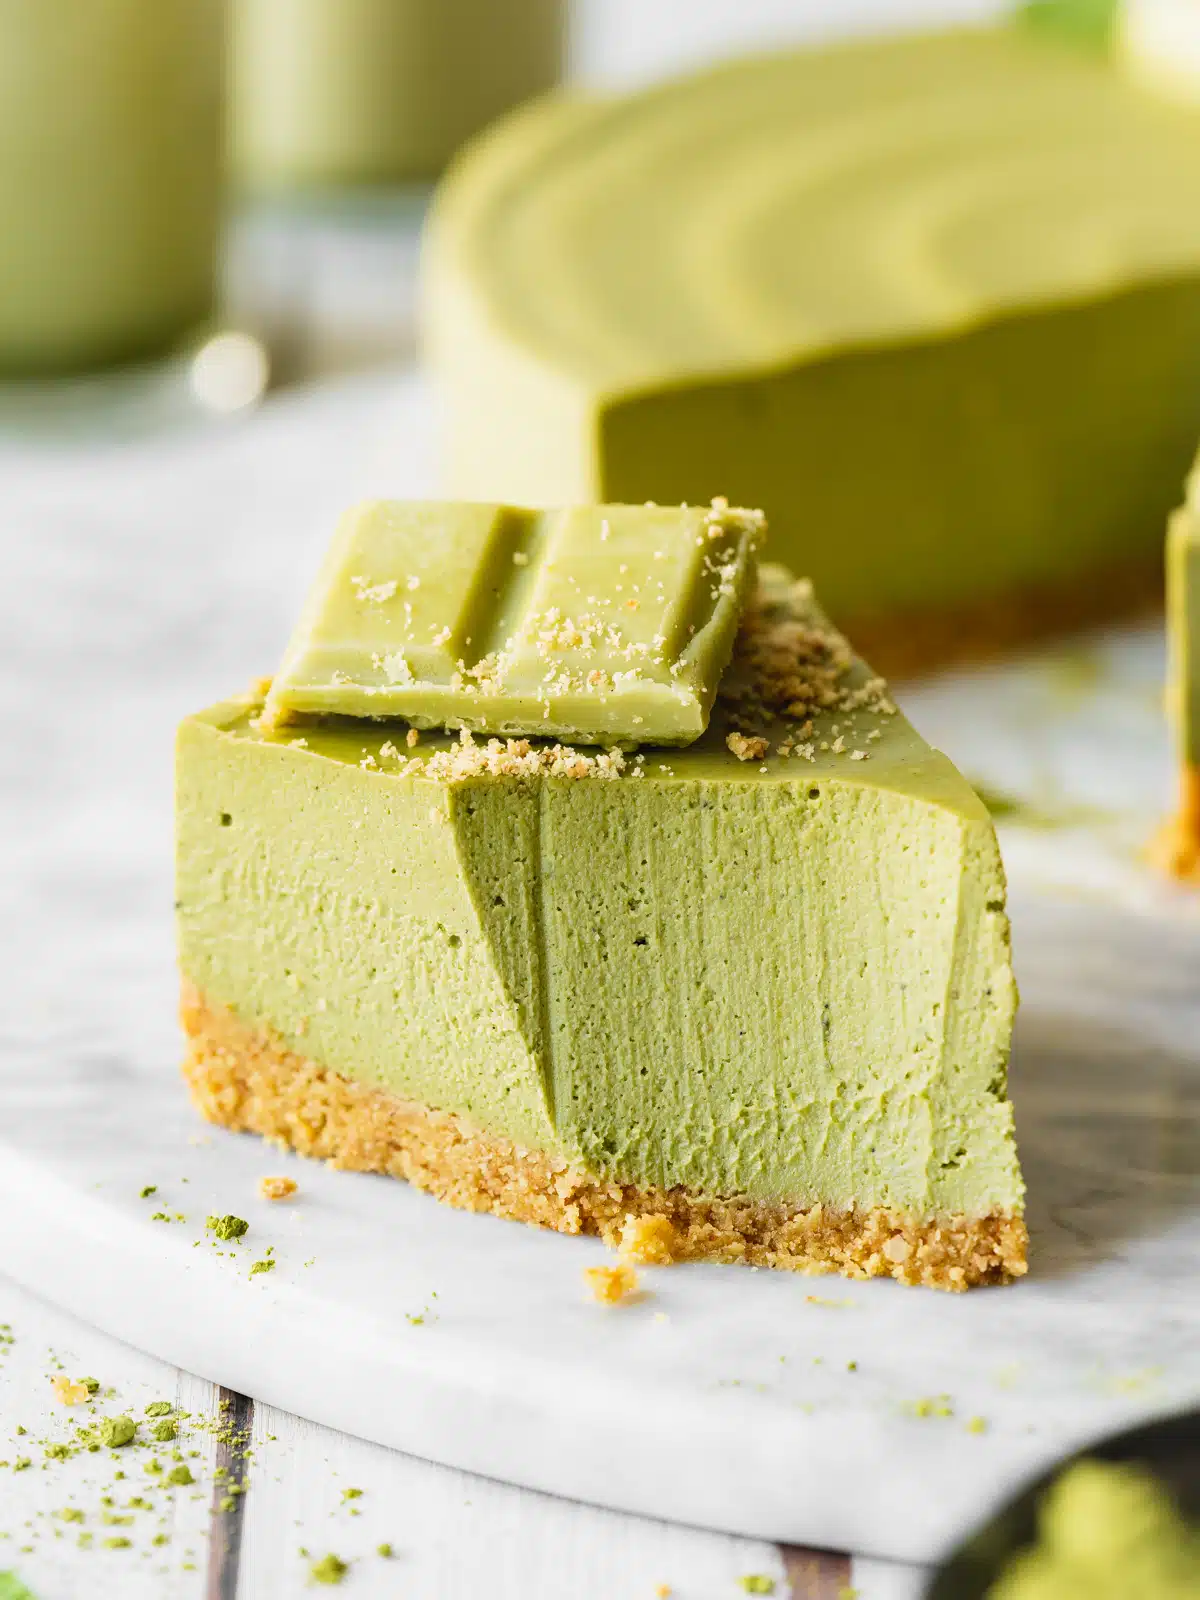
110	165
337	92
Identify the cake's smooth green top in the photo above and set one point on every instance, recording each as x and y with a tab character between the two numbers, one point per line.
844	197
1183	622
1107	1531
932	300
773	963
597	623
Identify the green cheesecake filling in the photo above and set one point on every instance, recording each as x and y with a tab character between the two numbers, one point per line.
773	964
934	300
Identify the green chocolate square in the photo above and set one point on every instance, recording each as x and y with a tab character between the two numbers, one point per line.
600	624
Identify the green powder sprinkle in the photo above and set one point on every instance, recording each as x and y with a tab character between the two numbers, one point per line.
180	1475
164	1431
117	1542
227	1227
757	1583
330	1569
150	1188
71	1514
159	1408
11	1588
265	1265
58	1452
115	1431
977	1425
92	1385
22	1463
934	1406
161	1538
384	1550
351	1494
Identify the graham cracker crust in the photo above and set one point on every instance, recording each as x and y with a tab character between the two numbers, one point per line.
909	643
1175	848
245	1079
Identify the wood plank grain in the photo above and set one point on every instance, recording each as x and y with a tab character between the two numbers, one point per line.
815	1574
230	1487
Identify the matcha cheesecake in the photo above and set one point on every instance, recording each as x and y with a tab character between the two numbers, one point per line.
757	989
1177	847
934	299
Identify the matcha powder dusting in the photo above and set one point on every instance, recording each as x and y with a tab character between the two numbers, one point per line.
115	1431
227	1227
330	1569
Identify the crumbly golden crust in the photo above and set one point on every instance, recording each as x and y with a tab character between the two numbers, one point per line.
1175	848
244	1079
909	643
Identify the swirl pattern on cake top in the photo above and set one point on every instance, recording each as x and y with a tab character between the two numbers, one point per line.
772	210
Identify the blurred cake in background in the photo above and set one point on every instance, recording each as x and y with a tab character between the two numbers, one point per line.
932	299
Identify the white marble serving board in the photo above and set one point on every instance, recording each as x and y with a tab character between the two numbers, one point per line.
145	579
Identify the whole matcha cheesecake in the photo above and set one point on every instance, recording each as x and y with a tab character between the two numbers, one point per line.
756	989
934	299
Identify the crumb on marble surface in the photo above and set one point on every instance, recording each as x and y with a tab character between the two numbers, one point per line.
276	1188
611	1285
69	1391
227	1227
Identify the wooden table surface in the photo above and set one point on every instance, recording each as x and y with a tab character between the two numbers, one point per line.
452	1536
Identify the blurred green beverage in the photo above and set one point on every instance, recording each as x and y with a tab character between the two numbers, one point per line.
110	161
336	92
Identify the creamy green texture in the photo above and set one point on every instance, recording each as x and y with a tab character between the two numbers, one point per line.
1183	622
598	623
1108	1531
933	301
783	976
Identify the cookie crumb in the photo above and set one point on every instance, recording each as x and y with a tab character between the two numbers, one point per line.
276	1188
69	1391
650	1241
746	748
610	1285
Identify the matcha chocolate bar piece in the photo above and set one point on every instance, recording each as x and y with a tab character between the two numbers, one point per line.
604	624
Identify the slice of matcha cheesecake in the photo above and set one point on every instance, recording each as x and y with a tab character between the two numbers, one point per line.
1177	847
758	988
